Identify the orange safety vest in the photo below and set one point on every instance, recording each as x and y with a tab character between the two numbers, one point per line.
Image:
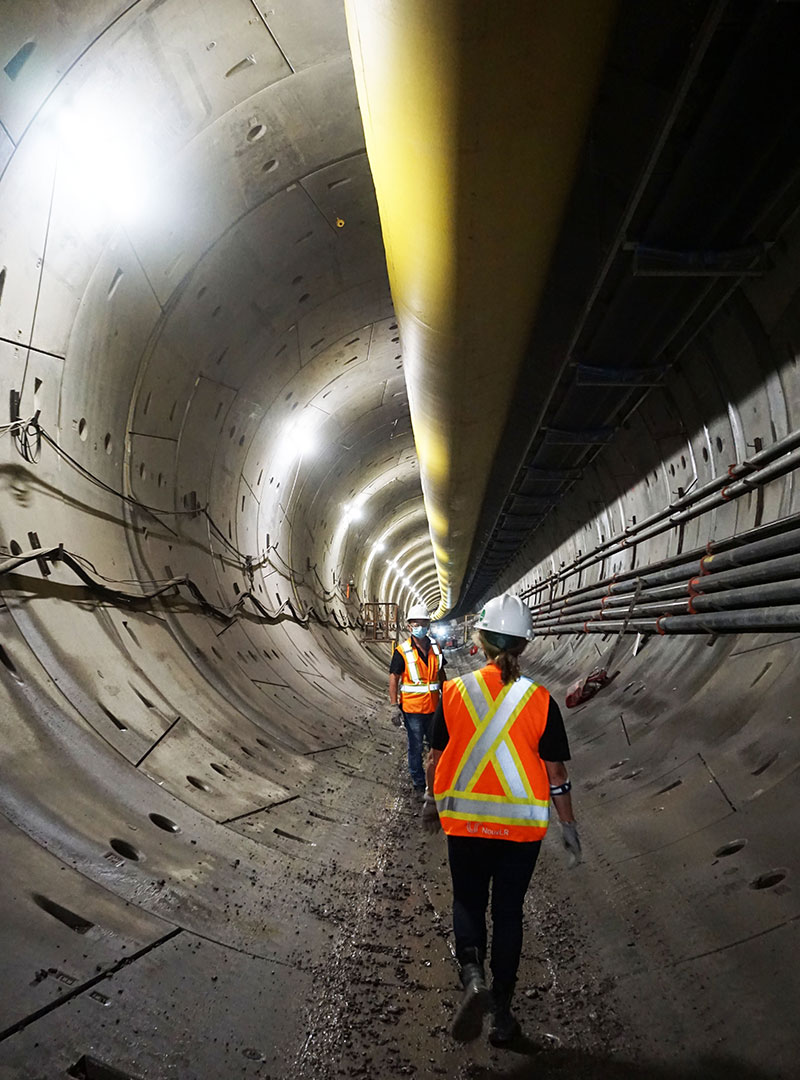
419	688
490	780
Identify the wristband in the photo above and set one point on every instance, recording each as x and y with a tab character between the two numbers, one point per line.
561	789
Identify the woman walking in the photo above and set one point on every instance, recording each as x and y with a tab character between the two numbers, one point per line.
499	748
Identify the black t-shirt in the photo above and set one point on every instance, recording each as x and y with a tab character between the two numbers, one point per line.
398	664
553	745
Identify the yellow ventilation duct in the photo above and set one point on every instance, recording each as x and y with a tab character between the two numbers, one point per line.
474	113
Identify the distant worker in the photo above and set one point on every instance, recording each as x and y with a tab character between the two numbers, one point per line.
497	758
415	676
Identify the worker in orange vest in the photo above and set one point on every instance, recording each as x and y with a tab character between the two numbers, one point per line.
497	759
415	676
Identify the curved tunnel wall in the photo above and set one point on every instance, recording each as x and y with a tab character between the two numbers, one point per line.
191	358
229	358
687	763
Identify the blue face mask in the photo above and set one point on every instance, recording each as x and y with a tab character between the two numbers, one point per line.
419	631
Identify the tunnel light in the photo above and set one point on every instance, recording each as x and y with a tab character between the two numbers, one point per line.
379	547
298	439
304	435
352	512
104	161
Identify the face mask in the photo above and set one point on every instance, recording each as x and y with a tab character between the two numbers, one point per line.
419	631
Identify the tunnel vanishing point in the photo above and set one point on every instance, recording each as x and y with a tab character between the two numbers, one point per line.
318	304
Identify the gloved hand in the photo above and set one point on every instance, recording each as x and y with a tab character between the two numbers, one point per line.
572	842
430	815
396	714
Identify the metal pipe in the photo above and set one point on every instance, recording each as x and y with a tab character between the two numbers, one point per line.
717	488
634	626
615	588
783	569
756	594
659	592
780	619
785	544
473	124
763	595
774	593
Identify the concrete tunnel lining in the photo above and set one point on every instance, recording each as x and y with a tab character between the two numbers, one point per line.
172	356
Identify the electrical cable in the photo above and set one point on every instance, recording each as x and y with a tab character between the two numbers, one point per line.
133	501
229	615
32	428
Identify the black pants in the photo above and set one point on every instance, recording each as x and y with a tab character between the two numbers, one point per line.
508	865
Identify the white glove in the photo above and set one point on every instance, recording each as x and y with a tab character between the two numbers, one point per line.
430	815
396	714
572	842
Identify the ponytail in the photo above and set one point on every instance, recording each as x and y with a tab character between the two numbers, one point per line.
503	651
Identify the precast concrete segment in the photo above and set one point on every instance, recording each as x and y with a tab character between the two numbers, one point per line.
163	770
455	102
688	760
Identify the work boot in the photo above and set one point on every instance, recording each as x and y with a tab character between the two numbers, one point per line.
468	1021
504	1027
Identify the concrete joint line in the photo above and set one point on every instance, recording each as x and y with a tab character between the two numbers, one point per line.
78	990
739	941
259	810
712	774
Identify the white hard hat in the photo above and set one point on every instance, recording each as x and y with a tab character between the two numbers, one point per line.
418	611
508	615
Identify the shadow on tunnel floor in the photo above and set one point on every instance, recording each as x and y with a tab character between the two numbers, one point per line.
528	1060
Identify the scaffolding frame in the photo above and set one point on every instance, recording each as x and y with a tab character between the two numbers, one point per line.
380	622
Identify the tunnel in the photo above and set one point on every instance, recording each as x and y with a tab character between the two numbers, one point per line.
316	305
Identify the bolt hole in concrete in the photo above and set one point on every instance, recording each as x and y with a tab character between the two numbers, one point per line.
219	769
763	768
291	836
64	915
768	880
729	849
114	720
631	774
670	787
198	783
619	764
88	1068
123	848
83	429
165	823
256	132
8	663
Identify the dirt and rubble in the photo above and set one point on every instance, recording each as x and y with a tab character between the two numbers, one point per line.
384	996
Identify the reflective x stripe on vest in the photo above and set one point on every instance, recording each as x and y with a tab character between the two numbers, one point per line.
492	747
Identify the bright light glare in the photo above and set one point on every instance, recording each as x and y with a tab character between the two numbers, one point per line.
104	160
378	547
352	512
299	437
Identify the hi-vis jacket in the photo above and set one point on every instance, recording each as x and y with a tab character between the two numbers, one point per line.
419	688
490	780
